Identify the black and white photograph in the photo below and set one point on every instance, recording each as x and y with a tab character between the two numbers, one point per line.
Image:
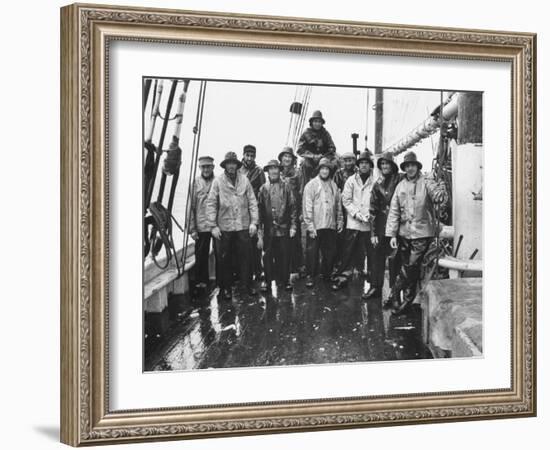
295	224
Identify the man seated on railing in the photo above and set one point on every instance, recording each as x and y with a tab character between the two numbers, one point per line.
315	143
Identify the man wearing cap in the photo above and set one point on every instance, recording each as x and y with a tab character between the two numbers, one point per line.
322	211
356	201
349	169
199	228
277	212
290	175
382	193
411	227
256	176
251	170
315	143
232	214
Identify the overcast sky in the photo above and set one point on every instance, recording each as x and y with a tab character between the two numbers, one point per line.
236	114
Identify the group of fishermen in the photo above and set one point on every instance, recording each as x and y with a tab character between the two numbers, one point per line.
257	222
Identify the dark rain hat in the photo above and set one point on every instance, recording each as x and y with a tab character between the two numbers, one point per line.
272	163
231	157
366	155
387	156
287	151
410	158
249	148
206	161
316	115
326	163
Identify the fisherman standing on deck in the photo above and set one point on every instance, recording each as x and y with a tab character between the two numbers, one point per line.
315	143
278	222
340	177
232	214
322	211
411	227
381	196
256	176
292	177
199	228
356	201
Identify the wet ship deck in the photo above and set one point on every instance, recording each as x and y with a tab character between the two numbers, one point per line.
306	326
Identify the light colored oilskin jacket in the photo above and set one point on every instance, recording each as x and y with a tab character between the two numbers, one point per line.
198	222
356	199
411	209
322	205
231	207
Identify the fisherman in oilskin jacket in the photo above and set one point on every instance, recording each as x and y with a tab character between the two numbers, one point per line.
315	143
199	229
232	215
356	243
278	222
291	175
411	227
251	170
322	211
256	177
382	193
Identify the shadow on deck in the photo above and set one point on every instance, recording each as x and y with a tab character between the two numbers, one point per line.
306	326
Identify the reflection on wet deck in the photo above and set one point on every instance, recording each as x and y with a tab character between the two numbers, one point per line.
306	326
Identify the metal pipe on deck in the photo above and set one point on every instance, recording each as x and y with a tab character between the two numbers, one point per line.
471	265
426	128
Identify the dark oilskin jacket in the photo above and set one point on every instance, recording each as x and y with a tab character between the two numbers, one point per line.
292	176
341	176
255	175
316	142
380	200
277	209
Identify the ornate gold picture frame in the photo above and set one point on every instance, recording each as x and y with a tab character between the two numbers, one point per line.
86	34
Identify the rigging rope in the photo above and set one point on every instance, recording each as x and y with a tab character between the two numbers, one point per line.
432	257
175	116
149	192
304	117
301	120
367	118
194	158
153	103
160	217
297	117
